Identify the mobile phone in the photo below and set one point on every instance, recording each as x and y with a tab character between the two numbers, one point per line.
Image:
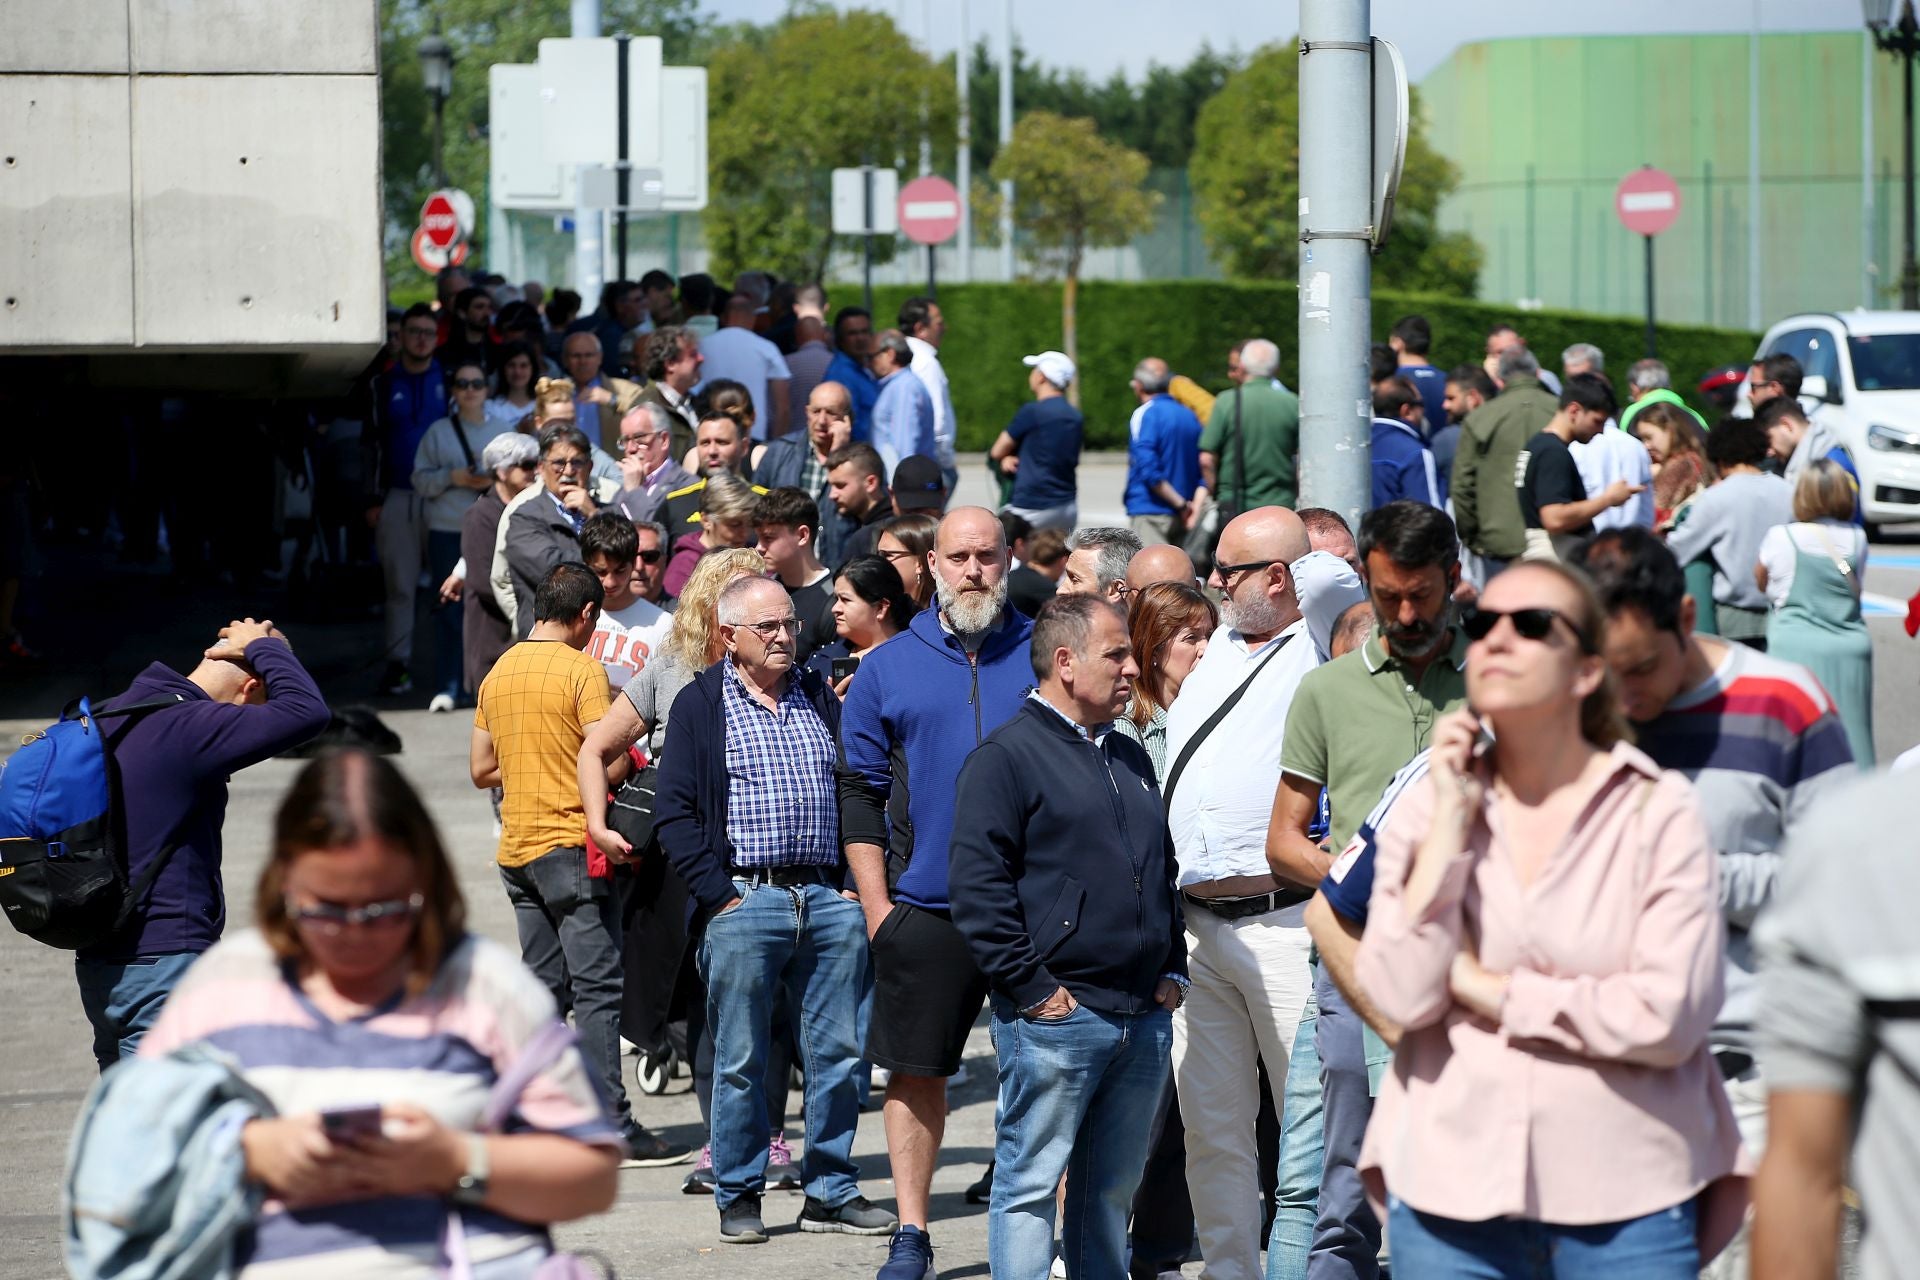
844	667
345	1124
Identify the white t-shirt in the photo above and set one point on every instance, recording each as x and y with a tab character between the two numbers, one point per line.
749	359
1615	455
1828	539
624	639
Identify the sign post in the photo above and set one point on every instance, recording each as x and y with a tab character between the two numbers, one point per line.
929	215
865	203
440	241
1647	202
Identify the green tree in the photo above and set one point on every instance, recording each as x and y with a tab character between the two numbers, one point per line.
820	90
1073	190
1246	180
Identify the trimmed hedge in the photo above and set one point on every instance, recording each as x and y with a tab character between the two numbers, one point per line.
1192	323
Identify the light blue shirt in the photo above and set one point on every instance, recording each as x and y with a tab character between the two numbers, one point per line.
903	419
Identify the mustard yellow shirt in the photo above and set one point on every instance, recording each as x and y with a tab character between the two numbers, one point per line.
538	703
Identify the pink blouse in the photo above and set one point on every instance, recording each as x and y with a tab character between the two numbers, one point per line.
1595	1098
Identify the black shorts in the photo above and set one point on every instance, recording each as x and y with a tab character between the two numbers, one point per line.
927	991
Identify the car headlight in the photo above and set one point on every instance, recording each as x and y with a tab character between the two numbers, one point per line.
1892	439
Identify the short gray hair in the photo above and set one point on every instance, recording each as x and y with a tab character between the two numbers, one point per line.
1585	353
659	531
1116	548
1648	375
655	413
727	497
509	450
1065	622
1153	375
731	607
894	343
1260	358
1517	362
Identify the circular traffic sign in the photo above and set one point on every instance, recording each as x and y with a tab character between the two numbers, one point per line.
440	220
929	210
432	258
1647	200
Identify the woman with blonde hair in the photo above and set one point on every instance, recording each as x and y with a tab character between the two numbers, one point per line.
1811	572
1545	927
726	520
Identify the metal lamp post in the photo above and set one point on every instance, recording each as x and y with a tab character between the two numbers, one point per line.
1895	30
436	72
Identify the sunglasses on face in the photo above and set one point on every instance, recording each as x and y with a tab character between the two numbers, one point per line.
469	384
652	556
330	919
1528	624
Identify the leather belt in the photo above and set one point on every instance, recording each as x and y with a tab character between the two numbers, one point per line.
788	877
1241	908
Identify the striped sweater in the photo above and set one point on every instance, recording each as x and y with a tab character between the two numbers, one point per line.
1761	741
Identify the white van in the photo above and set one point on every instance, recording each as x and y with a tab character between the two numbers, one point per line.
1862	378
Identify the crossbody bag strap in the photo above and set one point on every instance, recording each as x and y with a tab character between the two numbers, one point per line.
1213	722
1239	456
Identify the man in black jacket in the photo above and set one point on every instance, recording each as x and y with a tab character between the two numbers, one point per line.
1062	881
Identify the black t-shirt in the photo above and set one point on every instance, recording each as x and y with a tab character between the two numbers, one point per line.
813	605
1546	475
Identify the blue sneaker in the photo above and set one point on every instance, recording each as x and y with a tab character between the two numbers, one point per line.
909	1256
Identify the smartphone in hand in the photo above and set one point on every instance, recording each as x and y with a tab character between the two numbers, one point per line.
841	668
348	1124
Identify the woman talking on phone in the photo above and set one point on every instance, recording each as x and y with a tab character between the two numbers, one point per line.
1545	925
377	1025
870	607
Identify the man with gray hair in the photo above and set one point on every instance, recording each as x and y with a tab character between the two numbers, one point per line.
1097	561
1248	451
1163	457
1486	504
903	407
1650	382
648	472
1582	357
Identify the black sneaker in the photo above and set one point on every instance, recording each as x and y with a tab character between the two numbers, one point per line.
740	1222
857	1217
700	1178
396	681
649	1150
982	1191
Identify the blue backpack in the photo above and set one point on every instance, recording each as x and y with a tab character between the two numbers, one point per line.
63	869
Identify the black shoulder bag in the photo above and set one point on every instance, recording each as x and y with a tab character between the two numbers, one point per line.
1213	722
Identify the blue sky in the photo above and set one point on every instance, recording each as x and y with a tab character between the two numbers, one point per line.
1099	36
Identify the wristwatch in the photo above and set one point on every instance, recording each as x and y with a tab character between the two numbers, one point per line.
1180	981
472	1187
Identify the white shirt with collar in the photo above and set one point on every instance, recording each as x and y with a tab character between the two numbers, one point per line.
926	363
1615	455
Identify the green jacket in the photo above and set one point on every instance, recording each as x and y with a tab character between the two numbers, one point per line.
1270	426
1658	396
1486	501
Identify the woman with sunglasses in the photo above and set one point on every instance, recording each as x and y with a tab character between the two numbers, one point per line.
448	475
514	397
1545	925
377	1025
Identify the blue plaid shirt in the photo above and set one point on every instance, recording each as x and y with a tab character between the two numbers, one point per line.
782	808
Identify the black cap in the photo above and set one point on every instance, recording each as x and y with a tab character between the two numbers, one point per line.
918	484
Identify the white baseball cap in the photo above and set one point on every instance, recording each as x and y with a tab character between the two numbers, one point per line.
1053	366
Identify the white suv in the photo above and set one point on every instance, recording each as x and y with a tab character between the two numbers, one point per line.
1862	378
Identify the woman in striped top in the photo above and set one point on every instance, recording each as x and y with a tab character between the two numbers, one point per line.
377	1025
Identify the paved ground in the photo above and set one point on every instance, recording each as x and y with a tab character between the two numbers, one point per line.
45	1065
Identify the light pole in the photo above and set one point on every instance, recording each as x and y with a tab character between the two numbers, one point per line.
436	72
1896	31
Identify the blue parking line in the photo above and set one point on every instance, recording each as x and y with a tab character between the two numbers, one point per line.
1893	559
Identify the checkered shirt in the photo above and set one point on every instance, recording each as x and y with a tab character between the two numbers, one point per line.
782	809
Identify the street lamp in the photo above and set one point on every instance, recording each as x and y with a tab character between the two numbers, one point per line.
436	72
1895	31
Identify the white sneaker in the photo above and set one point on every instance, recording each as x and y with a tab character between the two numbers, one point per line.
1059	1267
441	702
878	1079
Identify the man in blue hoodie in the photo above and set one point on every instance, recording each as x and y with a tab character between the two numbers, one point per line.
249	699
916	709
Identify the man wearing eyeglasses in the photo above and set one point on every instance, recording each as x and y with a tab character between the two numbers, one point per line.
648	472
747	812
409	398
545	530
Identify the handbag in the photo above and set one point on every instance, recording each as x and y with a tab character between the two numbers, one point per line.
630	810
539	1053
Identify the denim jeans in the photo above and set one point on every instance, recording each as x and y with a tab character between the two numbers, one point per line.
569	925
1346	1241
1660	1246
808	946
1297	1185
449	654
1074	1095
122	999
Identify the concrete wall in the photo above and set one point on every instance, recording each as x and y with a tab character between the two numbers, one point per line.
192	178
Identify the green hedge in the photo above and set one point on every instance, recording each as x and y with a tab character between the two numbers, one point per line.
1192	323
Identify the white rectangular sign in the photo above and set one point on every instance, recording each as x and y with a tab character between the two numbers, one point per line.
850	202
580	100
521	175
1646	201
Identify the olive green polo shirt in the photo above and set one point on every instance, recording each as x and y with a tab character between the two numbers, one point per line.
1356	720
1268	440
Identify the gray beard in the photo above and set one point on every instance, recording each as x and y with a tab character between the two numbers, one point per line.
1259	616
973	612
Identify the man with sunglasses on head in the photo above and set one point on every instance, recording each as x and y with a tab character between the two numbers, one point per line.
1758	737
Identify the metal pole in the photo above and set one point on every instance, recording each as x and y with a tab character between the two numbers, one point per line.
1533	280
1650	338
1909	272
963	148
866	239
1006	136
1706	227
439	133
1866	171
1336	205
589	249
621	174
933	286
1753	173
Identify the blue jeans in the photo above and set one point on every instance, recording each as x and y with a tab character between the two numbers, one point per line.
1660	1246
569	926
1346	1241
122	999
1297	1182
449	671
1075	1098
809	945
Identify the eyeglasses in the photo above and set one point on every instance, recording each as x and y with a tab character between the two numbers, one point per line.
651	557
469	384
768	630
568	464
901	554
329	919
1228	571
639	441
1528	624
420	331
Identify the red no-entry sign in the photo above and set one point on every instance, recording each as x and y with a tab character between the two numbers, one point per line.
439	220
1647	200
929	210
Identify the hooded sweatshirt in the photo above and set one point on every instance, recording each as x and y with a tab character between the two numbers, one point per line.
1821	442
918	707
174	765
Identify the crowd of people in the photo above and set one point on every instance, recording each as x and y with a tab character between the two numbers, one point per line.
1435	894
